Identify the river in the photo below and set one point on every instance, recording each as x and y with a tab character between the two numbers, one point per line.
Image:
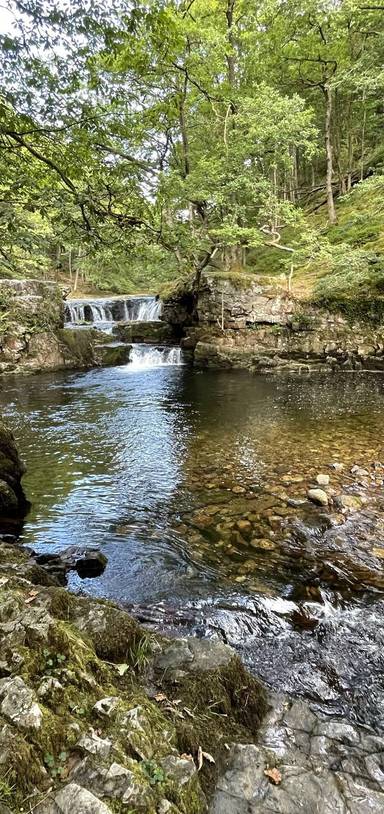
194	486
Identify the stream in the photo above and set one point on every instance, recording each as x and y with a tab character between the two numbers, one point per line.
194	485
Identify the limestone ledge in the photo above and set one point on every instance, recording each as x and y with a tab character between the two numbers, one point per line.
253	323
326	344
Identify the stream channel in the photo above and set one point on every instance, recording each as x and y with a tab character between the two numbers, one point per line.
194	485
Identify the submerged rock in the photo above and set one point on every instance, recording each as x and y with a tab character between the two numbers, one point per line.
318	496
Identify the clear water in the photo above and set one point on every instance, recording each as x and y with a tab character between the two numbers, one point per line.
161	466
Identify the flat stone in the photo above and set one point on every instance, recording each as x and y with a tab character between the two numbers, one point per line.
360	472
350	502
94	745
318	496
19	705
73	799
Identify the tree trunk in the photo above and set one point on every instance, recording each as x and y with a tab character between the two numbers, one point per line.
363	138
70	265
231	59
329	155
76	282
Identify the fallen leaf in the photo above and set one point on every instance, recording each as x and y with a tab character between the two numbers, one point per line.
122	669
31	596
208	757
273	775
199	758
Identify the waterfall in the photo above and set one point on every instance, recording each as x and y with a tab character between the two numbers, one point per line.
143	309
148	356
102	313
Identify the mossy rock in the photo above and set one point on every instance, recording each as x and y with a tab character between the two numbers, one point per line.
147	332
111	355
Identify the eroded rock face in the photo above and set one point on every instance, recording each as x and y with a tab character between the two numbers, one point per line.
253	323
241	300
32	312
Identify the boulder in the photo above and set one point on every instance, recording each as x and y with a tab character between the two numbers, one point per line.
154	333
73	799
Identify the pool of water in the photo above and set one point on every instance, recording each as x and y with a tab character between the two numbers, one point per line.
194	486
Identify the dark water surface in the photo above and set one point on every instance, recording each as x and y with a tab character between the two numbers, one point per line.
194	486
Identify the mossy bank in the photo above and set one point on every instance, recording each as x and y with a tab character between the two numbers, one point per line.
97	715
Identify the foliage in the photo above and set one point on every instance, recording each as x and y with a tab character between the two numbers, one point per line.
141	142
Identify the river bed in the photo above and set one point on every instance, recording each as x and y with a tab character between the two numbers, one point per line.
194	486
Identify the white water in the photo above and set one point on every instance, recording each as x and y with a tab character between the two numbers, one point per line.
102	313
149	356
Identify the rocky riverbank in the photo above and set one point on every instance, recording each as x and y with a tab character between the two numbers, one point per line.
99	716
239	321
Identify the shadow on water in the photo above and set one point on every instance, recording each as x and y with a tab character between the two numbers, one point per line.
194	485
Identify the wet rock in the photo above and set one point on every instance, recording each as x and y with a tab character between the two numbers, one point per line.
8	499
12	500
18	704
322	480
322	765
73	799
359	472
88	562
245	527
318	496
348	502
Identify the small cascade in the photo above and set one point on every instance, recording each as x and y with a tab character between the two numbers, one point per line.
143	309
104	313
149	356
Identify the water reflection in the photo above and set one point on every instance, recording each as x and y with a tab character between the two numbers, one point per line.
195	487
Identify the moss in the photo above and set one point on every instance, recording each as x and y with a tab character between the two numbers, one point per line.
112	355
225	705
77	345
86	638
239	280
